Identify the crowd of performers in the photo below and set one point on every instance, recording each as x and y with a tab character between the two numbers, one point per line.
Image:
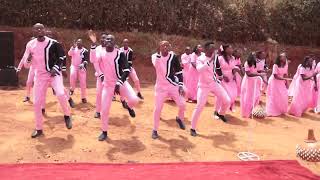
203	70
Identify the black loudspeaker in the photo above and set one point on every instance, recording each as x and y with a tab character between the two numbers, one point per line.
8	75
6	49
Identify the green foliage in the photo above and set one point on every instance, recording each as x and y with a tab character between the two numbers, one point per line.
288	21
296	22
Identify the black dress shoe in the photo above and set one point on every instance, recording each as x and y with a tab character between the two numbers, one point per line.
26	99
193	132
180	123
103	136
215	114
43	111
139	95
97	115
71	92
71	102
131	112
68	121
36	133
84	100
155	134
124	104
222	117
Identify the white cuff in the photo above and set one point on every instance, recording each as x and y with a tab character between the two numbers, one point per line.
119	82
180	72
56	68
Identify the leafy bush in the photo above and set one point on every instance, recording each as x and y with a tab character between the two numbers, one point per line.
287	21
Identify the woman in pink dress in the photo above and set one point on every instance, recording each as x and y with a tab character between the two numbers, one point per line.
228	69
277	90
249	87
237	56
262	67
293	82
317	108
302	95
185	63
192	82
313	103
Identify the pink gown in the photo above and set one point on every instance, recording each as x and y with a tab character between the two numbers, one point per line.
318	92
302	95
313	103
260	67
277	92
193	78
250	92
238	77
231	86
293	82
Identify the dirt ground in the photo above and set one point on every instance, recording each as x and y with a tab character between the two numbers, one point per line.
130	139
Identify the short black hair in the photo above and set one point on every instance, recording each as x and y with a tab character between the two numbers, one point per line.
251	60
305	60
207	45
277	60
195	49
259	53
104	33
224	52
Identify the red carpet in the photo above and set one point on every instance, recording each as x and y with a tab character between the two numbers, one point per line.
262	170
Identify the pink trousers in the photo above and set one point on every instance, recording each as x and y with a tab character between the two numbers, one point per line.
75	72
98	94
161	96
66	93
135	79
223	101
40	90
133	76
107	93
30	80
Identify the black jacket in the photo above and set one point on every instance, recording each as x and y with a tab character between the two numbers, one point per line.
55	57
174	70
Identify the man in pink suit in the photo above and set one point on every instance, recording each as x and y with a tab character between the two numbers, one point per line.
193	76
93	60
208	83
113	69
98	83
30	78
133	74
169	84
79	61
47	59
